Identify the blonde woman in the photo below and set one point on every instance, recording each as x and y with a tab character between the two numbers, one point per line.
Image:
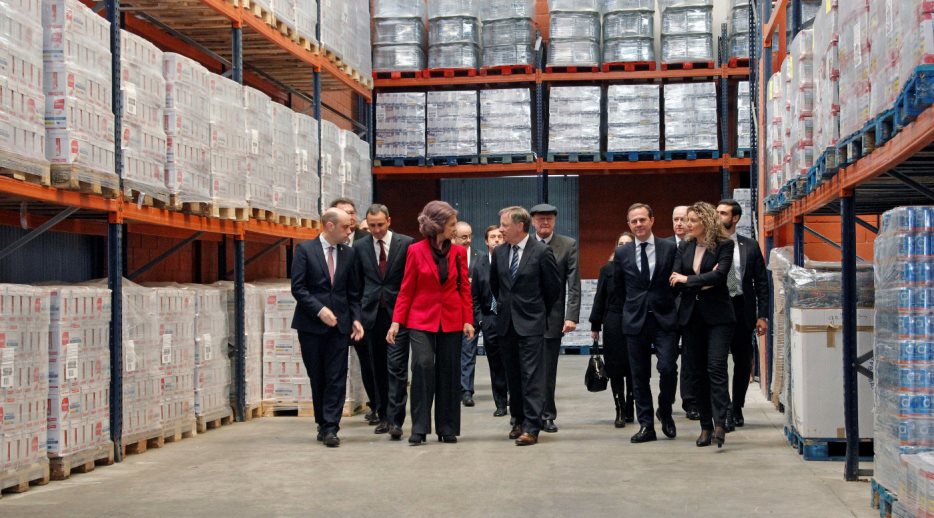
706	315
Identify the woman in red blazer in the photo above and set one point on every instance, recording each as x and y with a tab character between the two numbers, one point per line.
434	304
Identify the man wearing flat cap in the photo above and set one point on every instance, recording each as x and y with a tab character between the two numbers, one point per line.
566	311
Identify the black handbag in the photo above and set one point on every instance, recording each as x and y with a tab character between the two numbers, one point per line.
595	378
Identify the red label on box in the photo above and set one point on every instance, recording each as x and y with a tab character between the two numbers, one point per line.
100	303
64	405
65	338
98	429
74	146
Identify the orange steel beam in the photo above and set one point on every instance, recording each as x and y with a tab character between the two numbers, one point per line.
266	228
16	188
147	229
225	8
470	170
778	17
178	220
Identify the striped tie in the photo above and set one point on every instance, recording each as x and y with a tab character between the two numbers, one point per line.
514	263
493	304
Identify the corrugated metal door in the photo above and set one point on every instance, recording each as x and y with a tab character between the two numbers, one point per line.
53	256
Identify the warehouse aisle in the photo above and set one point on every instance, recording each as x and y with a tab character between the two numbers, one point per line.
274	467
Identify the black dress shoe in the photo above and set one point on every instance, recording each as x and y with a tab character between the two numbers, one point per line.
371	418
704	438
692	414
738	419
417	438
331	440
382	428
516	432
320	437
500	412
668	424
468	399
395	433
449	439
719	435
550	426
644	435
728	424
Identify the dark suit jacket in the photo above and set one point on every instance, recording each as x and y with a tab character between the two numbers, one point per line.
605	299
713	303
480	292
358	235
755	281
312	289
638	297
525	302
568	306
374	286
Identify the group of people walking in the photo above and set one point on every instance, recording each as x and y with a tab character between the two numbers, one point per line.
391	297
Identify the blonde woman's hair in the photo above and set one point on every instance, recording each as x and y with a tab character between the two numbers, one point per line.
713	231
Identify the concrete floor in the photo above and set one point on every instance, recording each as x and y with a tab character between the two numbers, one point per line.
274	467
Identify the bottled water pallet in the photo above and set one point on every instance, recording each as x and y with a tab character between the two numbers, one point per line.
820	449
633	156
63	467
213	420
691	154
74	177
882	499
431	73
629	66
453	160
738	62
573	157
398	74
578	350
507	70
519	158
20	480
571	69
25	170
689	65
399	161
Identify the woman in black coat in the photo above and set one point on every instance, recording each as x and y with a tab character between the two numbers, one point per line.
607	313
706	314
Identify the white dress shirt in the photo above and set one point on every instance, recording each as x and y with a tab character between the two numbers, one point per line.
545	240
325	245
522	245
650	251
386	240
737	265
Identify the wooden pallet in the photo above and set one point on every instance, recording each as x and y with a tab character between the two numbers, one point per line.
279	408
232	213
20	480
63	467
689	65
24	170
82	179
214	420
254	411
178	431
258	11
142	199
154	439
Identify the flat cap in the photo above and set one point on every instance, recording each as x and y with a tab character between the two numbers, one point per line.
544	208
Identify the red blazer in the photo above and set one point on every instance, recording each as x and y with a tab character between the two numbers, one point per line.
423	303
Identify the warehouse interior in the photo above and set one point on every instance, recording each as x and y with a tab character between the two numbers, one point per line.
162	164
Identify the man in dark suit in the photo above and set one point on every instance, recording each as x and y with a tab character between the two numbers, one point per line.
525	281
566	312
688	379
463	236
367	373
380	261
650	316
749	289
327	317
485	309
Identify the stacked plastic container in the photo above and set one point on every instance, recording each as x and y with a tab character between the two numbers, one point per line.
691	117
739	29
283	165
308	185
77	85
774	133
175	310
453	34
331	162
574	33
826	83
574	120
743	117
230	146
508	32
79	372
259	164
628	31
188	129
399	35
505	122
855	59
452	124
285	380
142	392
22	123
687	31
903	353
253	329
143	89
212	364
801	98
24	381
633	118
400	125
900	33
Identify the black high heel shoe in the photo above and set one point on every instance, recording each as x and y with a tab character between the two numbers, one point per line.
719	435
417	438
449	439
704	438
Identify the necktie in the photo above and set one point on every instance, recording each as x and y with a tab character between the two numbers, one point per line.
492	304
646	274
331	263
514	263
382	259
731	281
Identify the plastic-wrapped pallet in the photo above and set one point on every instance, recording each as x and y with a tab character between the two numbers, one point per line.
306	18
285	380
306	165
903	364
826	83
175	310
77	85
508	32
24	382
212	363
358	182
854	66
801	88
687	30
916	498
452	124
743	117
739	29
809	10
775	137
188	129
453	34
348	165
505	122
345	32
260	178
633	118
574	119
399	35
900	36
230	146
574	30
745	224
253	329
79	373
22	125
283	155
690	117
628	32
143	89
331	162
400	125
